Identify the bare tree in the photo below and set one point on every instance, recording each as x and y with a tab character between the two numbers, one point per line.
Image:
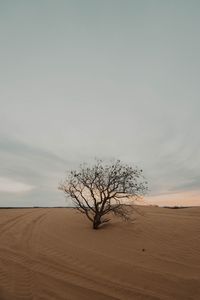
102	189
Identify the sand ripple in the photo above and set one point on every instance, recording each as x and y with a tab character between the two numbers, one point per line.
53	254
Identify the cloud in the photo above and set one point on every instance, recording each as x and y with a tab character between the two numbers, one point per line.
29	175
8	185
105	89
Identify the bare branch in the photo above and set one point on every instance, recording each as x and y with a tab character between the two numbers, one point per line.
104	188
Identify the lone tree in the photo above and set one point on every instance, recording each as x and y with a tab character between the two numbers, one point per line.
102	189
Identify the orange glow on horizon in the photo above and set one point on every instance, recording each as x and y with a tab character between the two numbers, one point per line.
189	198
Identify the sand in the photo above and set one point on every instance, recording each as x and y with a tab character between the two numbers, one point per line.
52	253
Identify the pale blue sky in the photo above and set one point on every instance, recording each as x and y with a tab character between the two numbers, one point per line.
109	79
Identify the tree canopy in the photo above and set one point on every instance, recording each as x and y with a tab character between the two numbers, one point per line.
102	188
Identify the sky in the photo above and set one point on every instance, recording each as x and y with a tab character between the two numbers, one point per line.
110	79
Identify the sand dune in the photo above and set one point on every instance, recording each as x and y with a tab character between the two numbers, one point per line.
54	254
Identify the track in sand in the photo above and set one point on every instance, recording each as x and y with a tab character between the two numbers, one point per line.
53	254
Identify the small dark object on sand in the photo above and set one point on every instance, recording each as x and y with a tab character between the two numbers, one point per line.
143	249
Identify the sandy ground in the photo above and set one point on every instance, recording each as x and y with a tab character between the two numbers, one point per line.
54	254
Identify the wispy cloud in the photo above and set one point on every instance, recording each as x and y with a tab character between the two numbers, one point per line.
86	82
8	185
30	174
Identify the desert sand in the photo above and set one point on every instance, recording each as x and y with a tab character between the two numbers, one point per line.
53	254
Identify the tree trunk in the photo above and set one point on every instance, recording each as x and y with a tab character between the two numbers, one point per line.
96	221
